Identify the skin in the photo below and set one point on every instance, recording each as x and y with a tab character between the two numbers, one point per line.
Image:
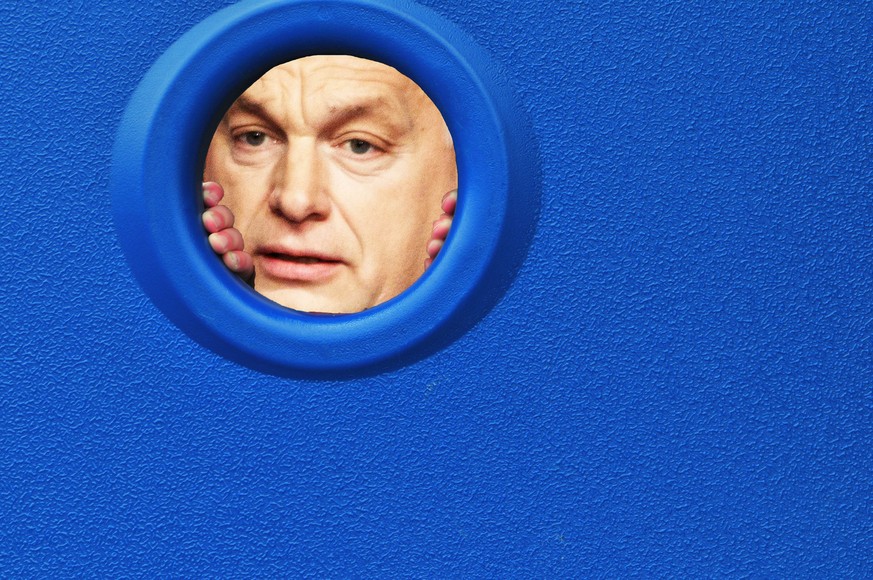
331	171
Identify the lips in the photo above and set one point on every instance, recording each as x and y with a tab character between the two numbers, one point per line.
296	265
298	259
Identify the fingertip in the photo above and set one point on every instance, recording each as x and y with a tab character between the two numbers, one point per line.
441	227
209	221
244	266
212	193
450	201
434	247
234	239
217	242
231	260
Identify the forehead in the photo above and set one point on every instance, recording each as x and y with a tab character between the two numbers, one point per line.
337	80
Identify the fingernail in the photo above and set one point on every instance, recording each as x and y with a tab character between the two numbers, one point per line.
209	193
218	243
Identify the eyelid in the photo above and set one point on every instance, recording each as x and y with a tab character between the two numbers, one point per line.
375	153
239	131
247	154
379	143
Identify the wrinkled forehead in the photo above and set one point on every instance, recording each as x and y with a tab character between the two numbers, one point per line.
339	78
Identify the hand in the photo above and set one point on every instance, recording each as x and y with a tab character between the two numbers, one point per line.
441	227
225	240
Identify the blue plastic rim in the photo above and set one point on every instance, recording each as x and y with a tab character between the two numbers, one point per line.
157	170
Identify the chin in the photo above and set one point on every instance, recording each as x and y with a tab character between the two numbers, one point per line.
304	301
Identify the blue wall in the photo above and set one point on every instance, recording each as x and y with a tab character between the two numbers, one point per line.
679	381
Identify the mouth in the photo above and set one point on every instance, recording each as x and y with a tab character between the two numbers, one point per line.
298	259
296	267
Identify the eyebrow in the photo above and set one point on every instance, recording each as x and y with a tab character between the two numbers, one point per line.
252	107
379	108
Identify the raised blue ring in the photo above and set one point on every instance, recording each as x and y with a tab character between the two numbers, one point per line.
157	165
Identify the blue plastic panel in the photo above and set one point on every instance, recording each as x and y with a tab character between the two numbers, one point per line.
676	383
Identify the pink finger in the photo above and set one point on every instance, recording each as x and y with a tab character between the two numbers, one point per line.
212	193
434	247
239	262
450	201
217	218
226	240
441	227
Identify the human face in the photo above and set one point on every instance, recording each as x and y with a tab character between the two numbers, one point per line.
334	168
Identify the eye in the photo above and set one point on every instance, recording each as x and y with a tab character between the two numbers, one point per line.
254	138
359	146
362	149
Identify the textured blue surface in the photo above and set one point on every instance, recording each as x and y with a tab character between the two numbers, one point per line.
678	382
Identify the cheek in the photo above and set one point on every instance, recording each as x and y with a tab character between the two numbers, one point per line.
398	231
210	165
372	217
242	185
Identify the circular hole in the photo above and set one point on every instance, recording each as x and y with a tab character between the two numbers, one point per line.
336	176
159	161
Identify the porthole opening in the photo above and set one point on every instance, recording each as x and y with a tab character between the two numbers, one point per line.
330	184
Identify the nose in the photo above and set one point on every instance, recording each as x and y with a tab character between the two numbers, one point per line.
300	186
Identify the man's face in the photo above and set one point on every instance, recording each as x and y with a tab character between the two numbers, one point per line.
334	168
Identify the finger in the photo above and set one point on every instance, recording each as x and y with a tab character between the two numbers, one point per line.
240	263
450	201
226	241
217	218
434	247
212	193
427	263
441	227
